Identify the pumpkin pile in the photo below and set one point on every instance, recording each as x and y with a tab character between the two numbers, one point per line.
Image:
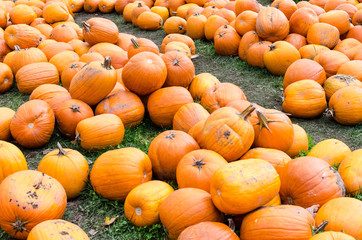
228	156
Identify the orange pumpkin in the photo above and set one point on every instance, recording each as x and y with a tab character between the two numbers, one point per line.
188	115
6	78
195	26
351	68
213	23
208	230
63	33
349	47
255	53
91	6
332	151
79	46
350	170
11	159
63	59
245	22
178	38
28	198
302	19
116	172
201	83
106	6
23	57
47	91
323	34
7	114
336	82
69	72
226	40
97	30
175	25
22	14
246	41
310	51
53	48
244	5
300	141
266	27
331	61
196	132
124	40
149	21
180	69
55	12
331	235
288	7
296	40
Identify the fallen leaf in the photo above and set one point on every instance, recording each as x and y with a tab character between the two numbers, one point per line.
195	56
93	232
31	155
46	151
109	221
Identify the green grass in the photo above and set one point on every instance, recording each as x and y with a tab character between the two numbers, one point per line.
90	210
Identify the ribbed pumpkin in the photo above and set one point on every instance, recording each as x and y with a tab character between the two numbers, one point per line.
280	56
333	151
208	230
91	57
47	91
126	105
341	214
352	68
278	223
69	72
93	82
106	6
23	57
304	69
142	204
28	198
246	41
234	190
56	230
288	7
245	22
336	18
6	116
91	6
53	48
79	46
226	41
196	168
11	160
220	95
300	142
255	53
22	35
22	14
188	115
323	34
180	38
296	40
33	124
310	51
212	24
45	29
116	172
63	59
144	73
228	132
331	235
55	12
161	11
350	170
201	83
100	131
175	25
69	167
186	207
33	75
331	61
97	30
196	132
325	183
304	99
195	26
177	143
271	24
301	20
69	114
117	54
275	157
345	105
6	78
163	104
243	5
349	47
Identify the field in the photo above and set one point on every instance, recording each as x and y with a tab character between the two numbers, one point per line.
89	210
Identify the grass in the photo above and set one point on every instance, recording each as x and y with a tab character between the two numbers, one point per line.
90	210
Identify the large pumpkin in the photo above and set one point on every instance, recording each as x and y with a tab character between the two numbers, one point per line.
325	183
242	186
6	116
278	223
188	115
142	204
97	30
33	124
226	41
23	36
116	172
331	61
302	19
271	24
28	198
11	160
323	34
69	167
351	171
100	131
333	151
201	83
208	230
22	57
351	68
166	151
186	207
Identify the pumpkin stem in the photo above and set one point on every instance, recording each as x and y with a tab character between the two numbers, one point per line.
290	200
17	48
61	152
272	47
263	120
320	227
345	78
19	226
330	113
245	114
74	65
86	26
77	137
176	62
198	163
180	27
231	224
172	135
197	14
107	63
75	108
135	43
139	4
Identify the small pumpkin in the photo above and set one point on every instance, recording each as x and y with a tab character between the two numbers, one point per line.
11	160
63	59
246	41
333	151
226	41
296	40
245	22
195	26
69	72
266	27
23	36
255	53
213	23
149	21
55	12
201	83
175	24
350	170
97	30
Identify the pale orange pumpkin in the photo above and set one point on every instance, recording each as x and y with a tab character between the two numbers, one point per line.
188	115
333	151
300	141
11	160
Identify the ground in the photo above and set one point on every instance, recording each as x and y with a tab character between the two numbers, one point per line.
90	210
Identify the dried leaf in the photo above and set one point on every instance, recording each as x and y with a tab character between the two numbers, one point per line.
195	56
313	209
110	221
46	151
31	155
93	232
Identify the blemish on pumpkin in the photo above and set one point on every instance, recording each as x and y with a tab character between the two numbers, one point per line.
31	125
227	134
64	233
138	211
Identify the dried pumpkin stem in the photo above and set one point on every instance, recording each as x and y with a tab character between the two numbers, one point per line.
17	48
198	163
176	62
321	227
231	224
172	135
245	114
75	108
263	120
19	226
272	47
135	43
74	65
107	62
61	152
86	26
77	138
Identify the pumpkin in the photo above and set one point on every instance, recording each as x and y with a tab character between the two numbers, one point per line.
352	68
228	132
7	114
69	72
304	99
245	22
195	26
116	172
106	6
325	183
76	5
341	214
357	18
336	82
11	159
127	11
244	5
196	168
255	53
331	235
355	32
117	54
178	38
213	23
310	51
288	7
45	29
144	73
188	115
280	56
52	49
208	230
33	75
275	157
23	57
56	229
331	61
175	24
62	59
345	105
246	41
138	45
93	82
47	91
91	57
163	104
97	30
178	143
67	166
302	19
4	50
100	131
142	204
126	105
300	142
350	170
296	40
234	190
91	6
182	10
22	14
6	78
178	47
201	83
196	132
69	114
63	33
226	40
336	18
161	11
292	222
209	11
186	207
28	198
332	151
180	69
124	40
323	34
304	69
271	24
149	21
33	124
